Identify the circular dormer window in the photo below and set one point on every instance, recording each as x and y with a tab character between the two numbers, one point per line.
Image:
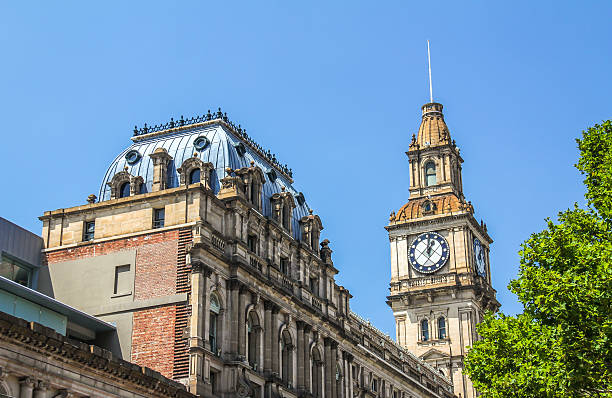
132	156
201	143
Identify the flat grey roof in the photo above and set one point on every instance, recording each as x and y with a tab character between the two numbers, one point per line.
75	316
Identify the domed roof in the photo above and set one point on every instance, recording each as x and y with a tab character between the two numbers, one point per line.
433	130
435	206
216	141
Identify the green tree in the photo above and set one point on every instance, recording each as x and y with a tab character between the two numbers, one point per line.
561	345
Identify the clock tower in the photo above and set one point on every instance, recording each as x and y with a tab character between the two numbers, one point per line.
440	272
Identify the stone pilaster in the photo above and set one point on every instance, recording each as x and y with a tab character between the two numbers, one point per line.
307	330
300	356
268	332
198	324
329	375
234	287
242	322
334	361
274	339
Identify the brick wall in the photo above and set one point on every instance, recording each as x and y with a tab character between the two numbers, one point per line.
157	340
153	339
156	267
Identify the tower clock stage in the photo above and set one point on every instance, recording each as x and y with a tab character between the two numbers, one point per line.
440	270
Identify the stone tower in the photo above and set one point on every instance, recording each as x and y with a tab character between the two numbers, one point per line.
440	273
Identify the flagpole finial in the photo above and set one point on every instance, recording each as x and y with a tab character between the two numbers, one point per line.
429	68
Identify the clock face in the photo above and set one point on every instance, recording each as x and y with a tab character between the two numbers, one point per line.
429	252
479	257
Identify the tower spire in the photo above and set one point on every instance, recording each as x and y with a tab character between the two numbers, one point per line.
429	67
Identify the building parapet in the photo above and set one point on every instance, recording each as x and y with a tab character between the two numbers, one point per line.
387	339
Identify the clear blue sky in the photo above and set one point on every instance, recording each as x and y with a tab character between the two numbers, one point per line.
333	88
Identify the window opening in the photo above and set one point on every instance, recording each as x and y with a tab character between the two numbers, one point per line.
314	286
252	243
124	192
89	230
215	309
194	176
12	269
430	174
424	330
255	194
441	328
159	218
284	266
286	217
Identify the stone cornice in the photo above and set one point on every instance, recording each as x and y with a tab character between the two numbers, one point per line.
89	207
441	220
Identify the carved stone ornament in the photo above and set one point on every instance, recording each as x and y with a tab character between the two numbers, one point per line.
243	386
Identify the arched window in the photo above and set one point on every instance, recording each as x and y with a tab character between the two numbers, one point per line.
253	329
424	330
315	371
287	357
430	174
4	391
255	194
211	176
215	309
194	176
441	328
286	216
124	192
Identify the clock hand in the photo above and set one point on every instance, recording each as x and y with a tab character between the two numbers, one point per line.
430	246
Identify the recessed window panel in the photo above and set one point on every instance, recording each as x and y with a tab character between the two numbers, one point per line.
123	281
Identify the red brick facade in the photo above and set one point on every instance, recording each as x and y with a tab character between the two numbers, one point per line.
156	266
153	339
157	340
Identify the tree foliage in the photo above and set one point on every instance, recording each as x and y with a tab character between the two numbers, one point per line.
561	345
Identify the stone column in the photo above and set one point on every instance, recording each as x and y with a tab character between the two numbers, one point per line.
334	362
274	339
234	287
41	389
242	321
307	330
328	367
300	356
26	387
268	336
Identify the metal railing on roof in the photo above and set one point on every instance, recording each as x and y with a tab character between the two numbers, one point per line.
219	115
